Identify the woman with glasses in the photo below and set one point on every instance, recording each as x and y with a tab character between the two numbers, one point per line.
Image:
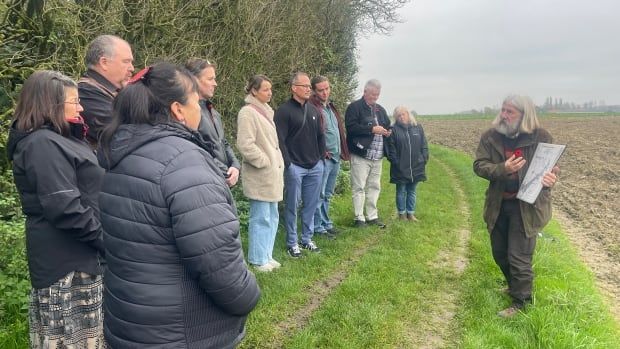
58	179
176	276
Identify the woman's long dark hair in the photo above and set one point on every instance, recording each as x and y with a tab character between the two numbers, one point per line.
42	102
147	98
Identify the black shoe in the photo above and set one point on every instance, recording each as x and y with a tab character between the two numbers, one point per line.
326	235
377	222
359	224
294	251
310	246
333	231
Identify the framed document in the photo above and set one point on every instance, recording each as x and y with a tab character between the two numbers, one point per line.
545	157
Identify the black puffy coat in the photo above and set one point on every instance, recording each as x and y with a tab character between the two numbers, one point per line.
58	179
407	151
176	276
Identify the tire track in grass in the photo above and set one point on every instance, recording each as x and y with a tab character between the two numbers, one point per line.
321	289
438	327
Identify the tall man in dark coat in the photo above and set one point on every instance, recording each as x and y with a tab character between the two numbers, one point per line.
303	148
110	65
503	157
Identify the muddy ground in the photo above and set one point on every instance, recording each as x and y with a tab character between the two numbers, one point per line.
586	200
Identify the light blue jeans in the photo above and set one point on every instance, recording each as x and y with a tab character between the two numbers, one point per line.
263	225
322	222
406	197
303	185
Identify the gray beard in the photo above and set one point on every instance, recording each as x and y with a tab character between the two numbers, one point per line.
508	130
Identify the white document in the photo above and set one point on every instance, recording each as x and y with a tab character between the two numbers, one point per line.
545	157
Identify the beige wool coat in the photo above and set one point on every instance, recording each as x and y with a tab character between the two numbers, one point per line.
262	168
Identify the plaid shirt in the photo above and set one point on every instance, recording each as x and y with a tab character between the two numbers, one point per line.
375	151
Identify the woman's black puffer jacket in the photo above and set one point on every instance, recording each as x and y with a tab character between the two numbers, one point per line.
176	276
407	151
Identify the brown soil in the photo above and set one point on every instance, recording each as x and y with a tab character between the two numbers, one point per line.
586	197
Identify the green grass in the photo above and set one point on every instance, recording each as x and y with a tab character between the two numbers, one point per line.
374	288
387	293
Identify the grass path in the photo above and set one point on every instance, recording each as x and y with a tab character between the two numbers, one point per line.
439	326
321	290
430	284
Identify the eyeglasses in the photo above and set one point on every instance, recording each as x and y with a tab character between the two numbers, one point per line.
304	86
75	101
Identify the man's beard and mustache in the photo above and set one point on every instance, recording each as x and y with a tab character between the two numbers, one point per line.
508	129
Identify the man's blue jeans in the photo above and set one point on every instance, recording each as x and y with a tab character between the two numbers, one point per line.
406	197
301	185
262	229
322	222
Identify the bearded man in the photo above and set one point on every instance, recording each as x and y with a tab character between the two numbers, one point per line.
503	157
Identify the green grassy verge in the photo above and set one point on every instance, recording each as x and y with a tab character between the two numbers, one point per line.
384	295
568	312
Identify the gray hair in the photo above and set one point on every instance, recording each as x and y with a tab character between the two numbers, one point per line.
295	77
403	109
524	104
372	83
101	46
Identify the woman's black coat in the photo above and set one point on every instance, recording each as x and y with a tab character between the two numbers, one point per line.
407	152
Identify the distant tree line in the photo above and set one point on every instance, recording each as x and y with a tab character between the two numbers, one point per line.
555	104
243	37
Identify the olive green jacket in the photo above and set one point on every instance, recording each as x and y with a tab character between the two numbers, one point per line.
489	164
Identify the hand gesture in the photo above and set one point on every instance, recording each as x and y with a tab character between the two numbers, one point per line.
514	164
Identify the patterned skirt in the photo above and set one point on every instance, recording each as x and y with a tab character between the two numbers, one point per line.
68	314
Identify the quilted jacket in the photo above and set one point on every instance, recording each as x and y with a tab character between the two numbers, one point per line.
176	276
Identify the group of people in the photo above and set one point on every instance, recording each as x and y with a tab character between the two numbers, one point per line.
125	178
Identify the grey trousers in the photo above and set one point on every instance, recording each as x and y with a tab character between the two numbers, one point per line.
365	186
513	251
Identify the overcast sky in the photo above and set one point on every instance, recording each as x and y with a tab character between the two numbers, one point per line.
454	55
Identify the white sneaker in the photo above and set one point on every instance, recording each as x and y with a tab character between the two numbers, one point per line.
274	263
265	268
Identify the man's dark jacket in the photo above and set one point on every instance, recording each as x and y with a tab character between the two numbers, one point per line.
489	164
407	151
344	149
301	142
359	123
96	97
58	179
176	276
211	129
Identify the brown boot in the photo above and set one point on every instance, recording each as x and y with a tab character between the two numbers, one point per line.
402	216
509	312
411	217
